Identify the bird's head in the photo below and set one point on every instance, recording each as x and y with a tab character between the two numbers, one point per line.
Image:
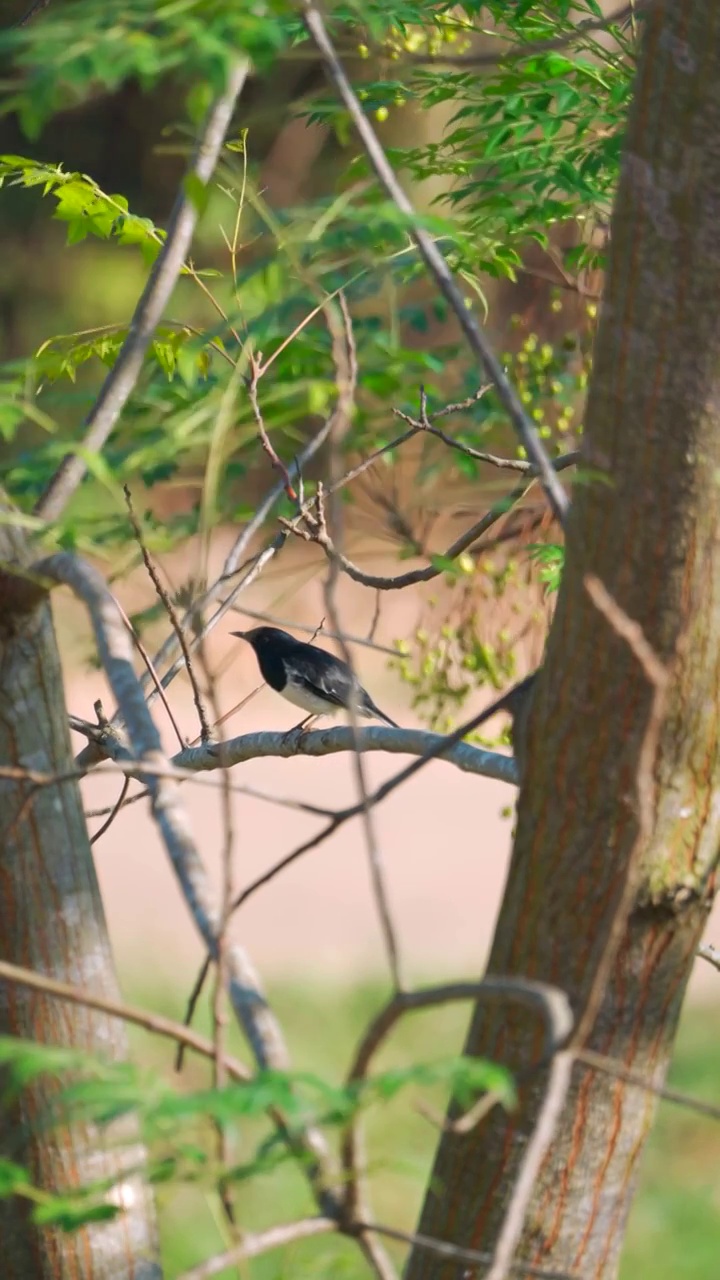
258	637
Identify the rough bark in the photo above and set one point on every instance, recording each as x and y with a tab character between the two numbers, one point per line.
649	530
52	921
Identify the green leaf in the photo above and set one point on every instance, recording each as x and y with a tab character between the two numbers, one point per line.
13	1178
197	192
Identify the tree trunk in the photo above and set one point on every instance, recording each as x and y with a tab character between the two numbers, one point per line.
52	921
649	530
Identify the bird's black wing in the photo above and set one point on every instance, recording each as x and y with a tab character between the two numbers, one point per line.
326	677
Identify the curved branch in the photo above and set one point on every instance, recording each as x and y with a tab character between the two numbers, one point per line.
325	742
319	534
122	378
438	267
550	1001
249	1003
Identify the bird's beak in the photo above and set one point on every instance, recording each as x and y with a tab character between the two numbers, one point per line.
242	635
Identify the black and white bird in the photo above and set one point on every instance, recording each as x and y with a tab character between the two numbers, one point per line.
310	678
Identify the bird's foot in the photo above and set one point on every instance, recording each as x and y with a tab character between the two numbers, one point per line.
298	731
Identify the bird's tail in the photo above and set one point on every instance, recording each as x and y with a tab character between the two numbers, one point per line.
372	710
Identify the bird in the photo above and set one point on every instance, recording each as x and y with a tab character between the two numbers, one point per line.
309	677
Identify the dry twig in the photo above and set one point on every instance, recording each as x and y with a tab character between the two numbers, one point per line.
437	266
163	596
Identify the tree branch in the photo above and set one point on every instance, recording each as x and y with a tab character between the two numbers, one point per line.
122	378
252	1246
154	1022
169	608
550	1001
316	533
533	48
249	1003
437	266
323	742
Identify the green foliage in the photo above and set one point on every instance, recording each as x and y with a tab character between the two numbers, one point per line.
531	142
82	205
73	48
550	559
178	1126
355	240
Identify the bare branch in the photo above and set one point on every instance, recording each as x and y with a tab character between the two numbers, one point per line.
113	812
550	1001
425	424
154	1022
323	742
151	672
413	576
327	635
346	373
30	13
205	733
475	1259
252	1246
708	952
248	1001
122	378
251	384
436	264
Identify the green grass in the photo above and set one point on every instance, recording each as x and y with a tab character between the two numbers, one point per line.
674	1226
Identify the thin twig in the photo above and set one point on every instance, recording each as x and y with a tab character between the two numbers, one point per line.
344	815
30	13
550	1001
122	378
436	264
367	643
251	1246
414	576
473	1259
195	994
248	1001
233	564
113	812
163	596
537	1147
283	802
346	374
227	715
219	1014
276	462
154	1022
425	424
618	1070
533	48
151	672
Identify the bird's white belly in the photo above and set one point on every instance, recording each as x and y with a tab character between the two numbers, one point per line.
309	702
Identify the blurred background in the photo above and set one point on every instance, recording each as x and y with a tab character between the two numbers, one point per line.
445	837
